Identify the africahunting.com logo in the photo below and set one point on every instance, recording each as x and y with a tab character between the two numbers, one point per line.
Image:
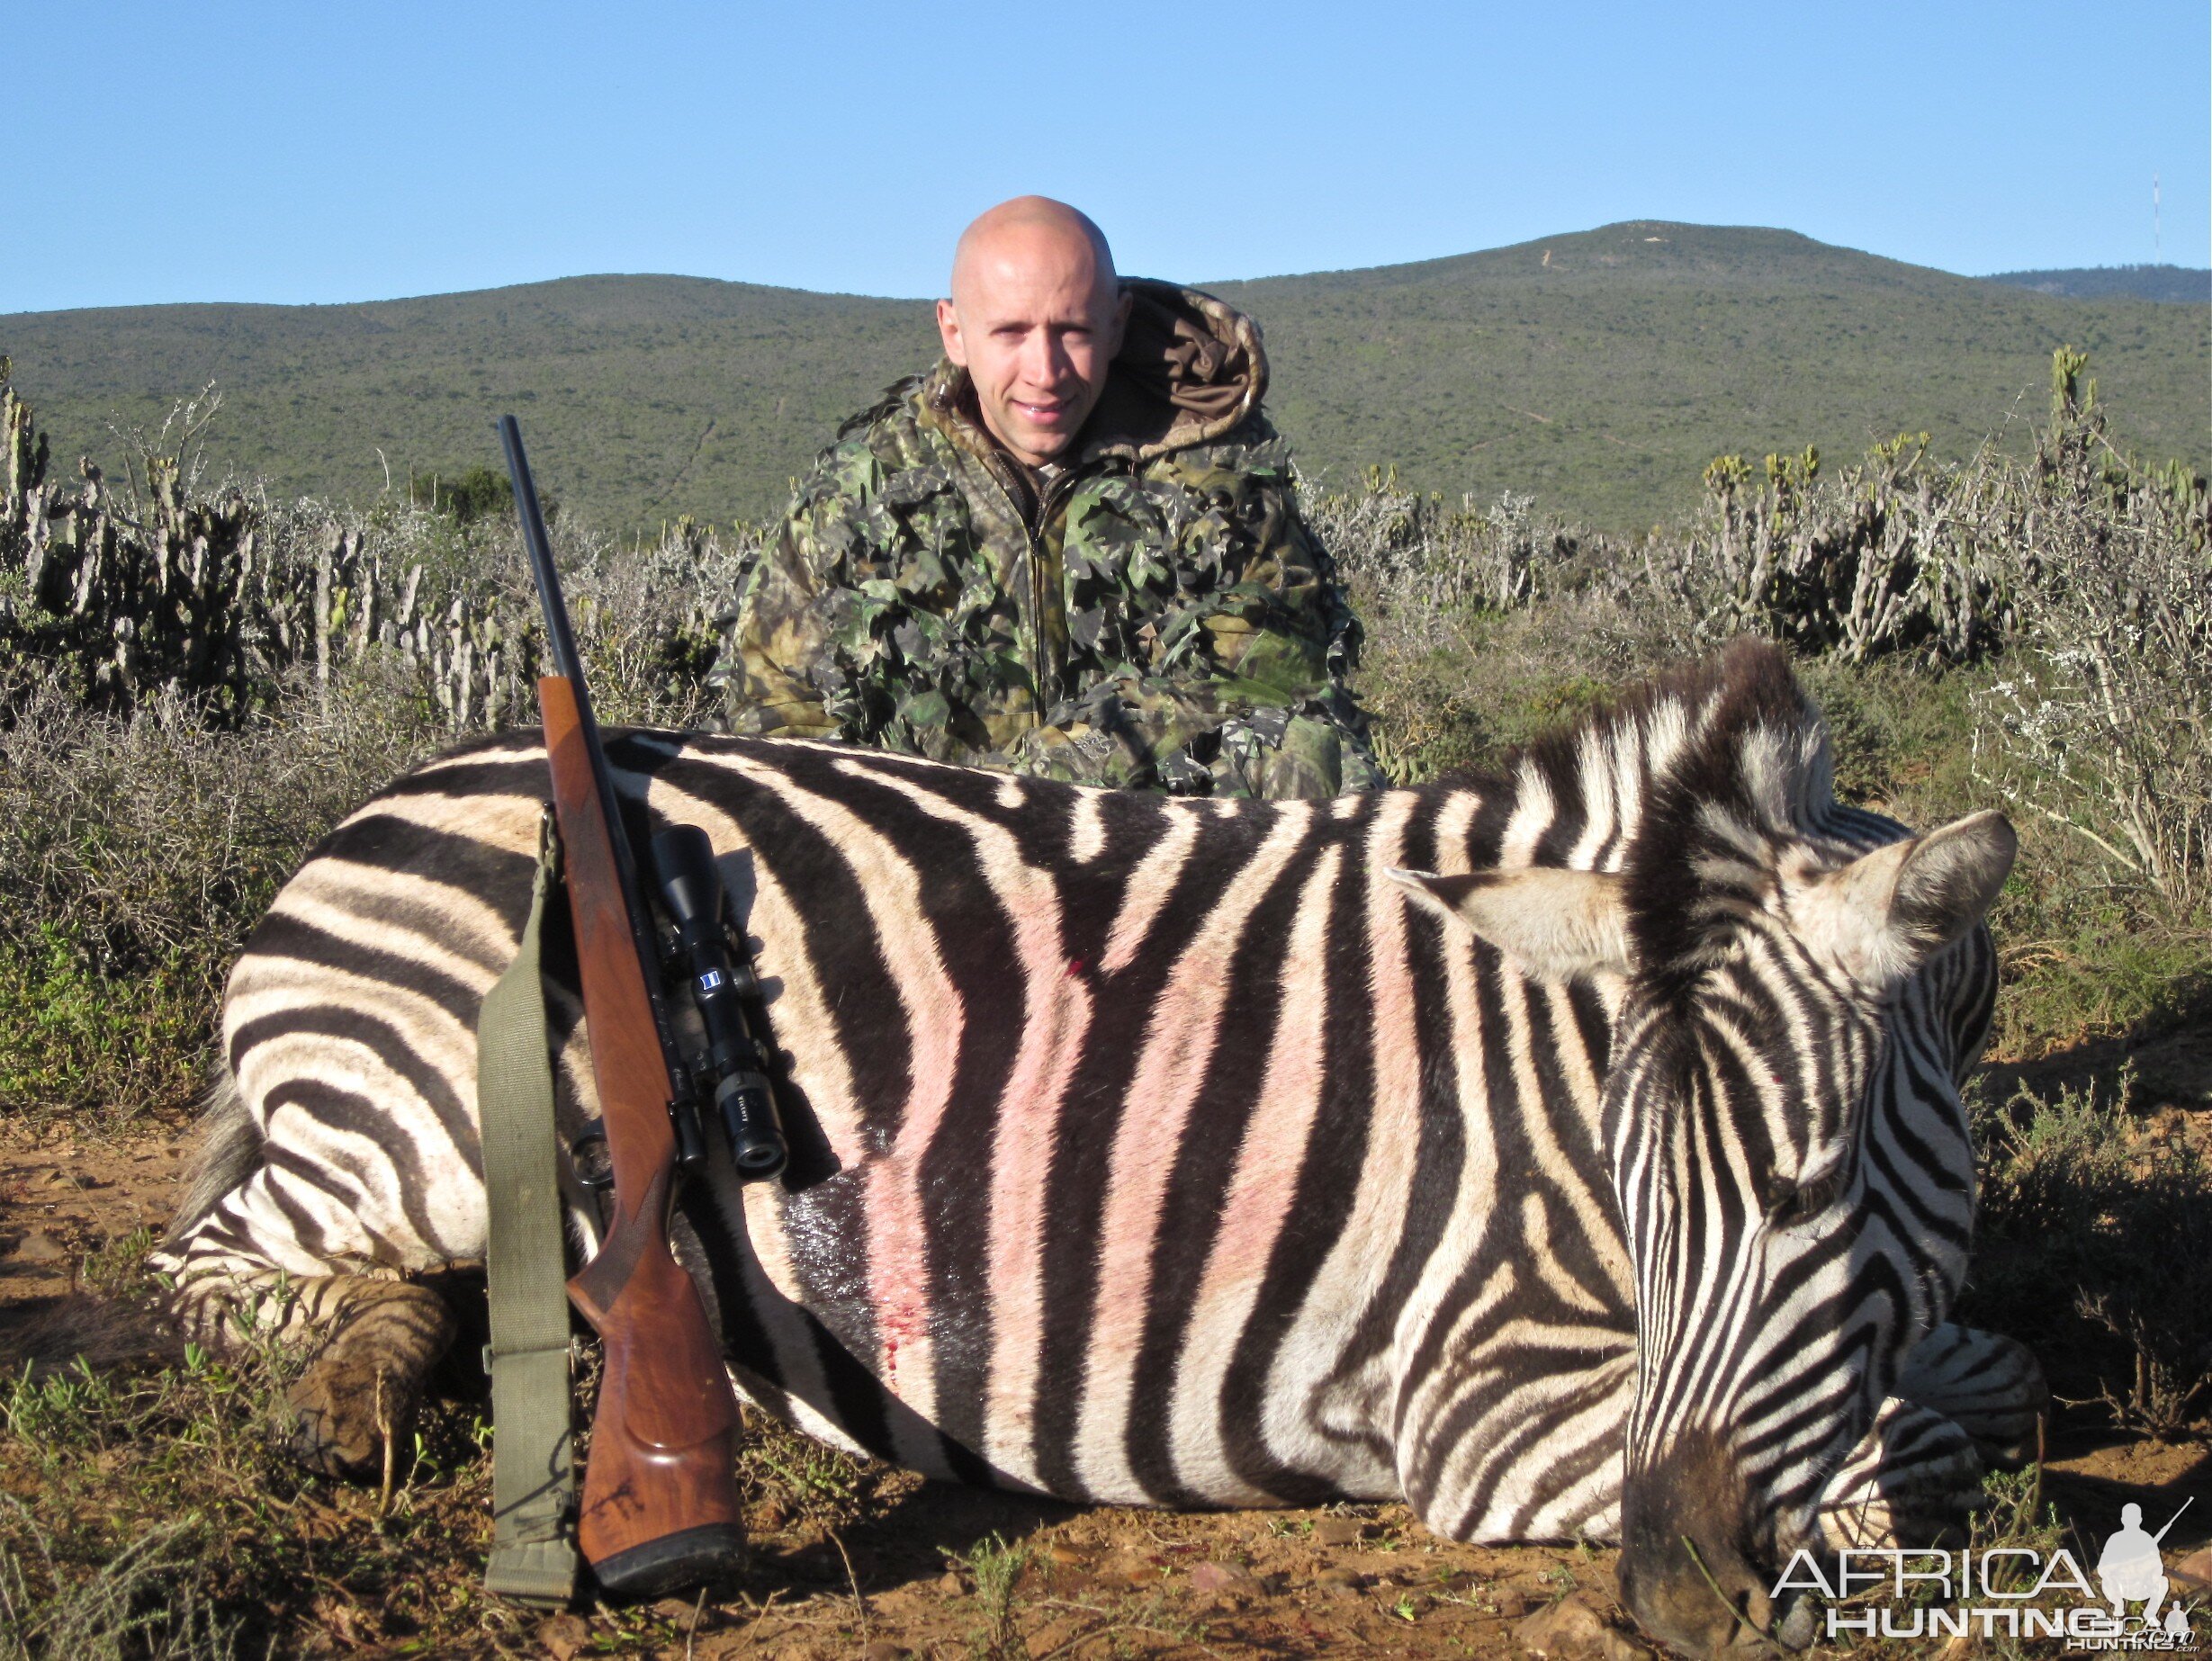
2007	1591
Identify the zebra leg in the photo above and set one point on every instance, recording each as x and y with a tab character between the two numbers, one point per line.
1910	1483
378	1335
361	1390
376	1341
1989	1386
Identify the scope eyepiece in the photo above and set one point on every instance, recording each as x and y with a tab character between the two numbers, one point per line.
749	1120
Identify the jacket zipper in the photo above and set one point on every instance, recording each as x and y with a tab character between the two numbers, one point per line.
1021	495
1052	653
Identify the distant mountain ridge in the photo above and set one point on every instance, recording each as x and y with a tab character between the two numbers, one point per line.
2173	285
1598	370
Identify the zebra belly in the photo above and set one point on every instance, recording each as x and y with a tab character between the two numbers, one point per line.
819	1346
1521	1440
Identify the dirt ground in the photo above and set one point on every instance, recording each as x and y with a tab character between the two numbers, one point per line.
907	1578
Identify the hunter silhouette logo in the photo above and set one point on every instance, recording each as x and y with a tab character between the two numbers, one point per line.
2130	1570
1987	1593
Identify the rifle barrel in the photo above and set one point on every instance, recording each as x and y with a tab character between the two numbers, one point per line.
560	639
568	664
2173	1519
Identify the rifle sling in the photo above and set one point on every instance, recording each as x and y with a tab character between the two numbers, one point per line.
533	1556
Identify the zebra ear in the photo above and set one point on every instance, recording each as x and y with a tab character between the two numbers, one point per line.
1886	913
1556	925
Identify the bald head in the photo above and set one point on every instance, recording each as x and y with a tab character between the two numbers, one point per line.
1025	233
1035	318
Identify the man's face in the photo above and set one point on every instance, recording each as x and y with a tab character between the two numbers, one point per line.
1035	323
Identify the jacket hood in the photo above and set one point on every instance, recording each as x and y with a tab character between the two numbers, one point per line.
1191	369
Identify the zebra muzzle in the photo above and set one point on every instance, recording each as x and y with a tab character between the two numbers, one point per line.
1686	1574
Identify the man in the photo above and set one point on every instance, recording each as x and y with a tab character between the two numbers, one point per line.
1071	549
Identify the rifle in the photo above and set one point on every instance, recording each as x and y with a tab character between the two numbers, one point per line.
2159	1539
659	1505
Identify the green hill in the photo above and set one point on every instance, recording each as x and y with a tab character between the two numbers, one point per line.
1600	370
2179	285
642	397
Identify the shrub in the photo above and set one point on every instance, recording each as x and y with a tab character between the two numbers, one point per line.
227	598
191	694
136	853
1411	555
2104	724
472	494
2086	1213
1892	556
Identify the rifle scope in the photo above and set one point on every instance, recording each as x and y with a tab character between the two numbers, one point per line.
691	891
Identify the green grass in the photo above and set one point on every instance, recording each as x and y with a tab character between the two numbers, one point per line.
154	1513
642	397
76	1042
1602	380
993	1568
150	1512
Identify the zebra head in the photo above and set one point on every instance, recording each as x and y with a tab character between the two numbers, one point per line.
1799	989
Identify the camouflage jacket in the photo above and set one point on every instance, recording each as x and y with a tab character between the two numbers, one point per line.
1149	612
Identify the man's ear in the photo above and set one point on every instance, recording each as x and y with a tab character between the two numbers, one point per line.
1123	304
948	331
1555	925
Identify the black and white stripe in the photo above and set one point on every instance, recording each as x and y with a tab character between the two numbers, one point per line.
1218	1153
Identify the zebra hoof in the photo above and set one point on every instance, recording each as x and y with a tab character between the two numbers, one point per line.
344	1415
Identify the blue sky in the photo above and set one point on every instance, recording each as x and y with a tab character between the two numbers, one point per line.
301	152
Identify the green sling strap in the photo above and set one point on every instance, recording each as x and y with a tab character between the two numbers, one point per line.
532	1474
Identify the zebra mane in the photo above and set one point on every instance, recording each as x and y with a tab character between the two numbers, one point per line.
1711	770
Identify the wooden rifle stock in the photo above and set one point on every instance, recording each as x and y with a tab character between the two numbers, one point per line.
659	1504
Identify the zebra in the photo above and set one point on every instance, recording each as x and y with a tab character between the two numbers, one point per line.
1575	1152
